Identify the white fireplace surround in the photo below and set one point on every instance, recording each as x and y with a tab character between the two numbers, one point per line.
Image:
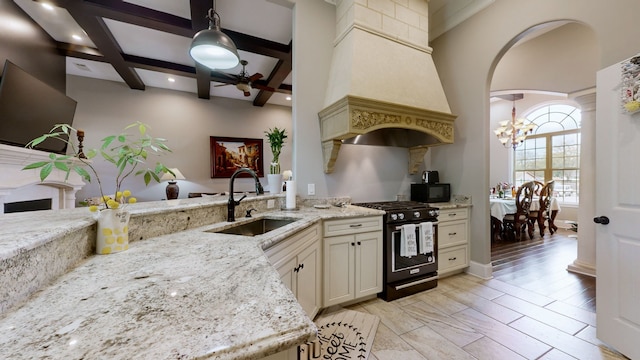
18	185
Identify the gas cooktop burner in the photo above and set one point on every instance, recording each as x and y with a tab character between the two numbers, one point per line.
395	205
403	211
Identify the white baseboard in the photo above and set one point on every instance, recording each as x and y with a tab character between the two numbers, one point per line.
483	271
581	268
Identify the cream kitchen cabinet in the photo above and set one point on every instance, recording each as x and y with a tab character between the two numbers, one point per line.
298	260
352	259
453	240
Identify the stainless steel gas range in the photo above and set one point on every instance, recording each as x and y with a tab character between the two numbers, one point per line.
406	275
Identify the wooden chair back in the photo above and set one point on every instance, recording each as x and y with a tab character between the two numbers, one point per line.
545	196
524	197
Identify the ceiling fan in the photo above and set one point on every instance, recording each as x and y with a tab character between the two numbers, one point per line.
244	82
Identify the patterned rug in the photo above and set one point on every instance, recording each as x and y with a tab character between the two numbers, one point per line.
345	334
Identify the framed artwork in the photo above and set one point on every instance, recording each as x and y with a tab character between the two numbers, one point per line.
229	154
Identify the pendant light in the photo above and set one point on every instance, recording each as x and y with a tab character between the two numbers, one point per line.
213	48
512	133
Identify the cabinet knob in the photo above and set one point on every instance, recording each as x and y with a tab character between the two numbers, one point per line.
452	234
453	258
358	242
353	244
355	225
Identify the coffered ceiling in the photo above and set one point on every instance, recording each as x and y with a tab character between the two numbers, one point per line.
145	42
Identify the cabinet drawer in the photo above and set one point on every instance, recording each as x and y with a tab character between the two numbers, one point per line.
452	259
352	225
452	233
453	214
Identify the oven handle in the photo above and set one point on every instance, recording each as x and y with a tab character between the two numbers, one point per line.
399	287
399	227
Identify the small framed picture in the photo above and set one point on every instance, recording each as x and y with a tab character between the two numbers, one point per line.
229	154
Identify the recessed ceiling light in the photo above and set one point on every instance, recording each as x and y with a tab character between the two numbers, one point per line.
76	37
288	98
171	79
47	6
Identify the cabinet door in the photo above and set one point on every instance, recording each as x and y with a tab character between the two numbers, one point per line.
285	269
308	280
339	269
368	271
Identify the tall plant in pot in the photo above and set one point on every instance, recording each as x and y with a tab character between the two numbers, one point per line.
275	137
127	153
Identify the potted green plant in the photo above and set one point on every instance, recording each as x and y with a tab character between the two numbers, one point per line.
127	152
275	137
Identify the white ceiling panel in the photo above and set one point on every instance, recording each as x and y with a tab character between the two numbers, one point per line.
92	69
261	19
150	43
162	80
173	7
57	22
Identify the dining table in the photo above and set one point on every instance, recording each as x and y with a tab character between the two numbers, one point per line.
499	207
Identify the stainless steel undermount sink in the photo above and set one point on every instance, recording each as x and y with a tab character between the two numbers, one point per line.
255	227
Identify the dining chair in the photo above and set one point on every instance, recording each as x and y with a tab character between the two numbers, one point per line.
515	224
544	212
534	214
550	214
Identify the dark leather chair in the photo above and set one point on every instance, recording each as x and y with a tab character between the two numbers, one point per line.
515	224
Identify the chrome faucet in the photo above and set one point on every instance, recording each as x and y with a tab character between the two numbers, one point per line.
231	206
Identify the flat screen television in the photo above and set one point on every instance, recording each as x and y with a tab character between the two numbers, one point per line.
29	108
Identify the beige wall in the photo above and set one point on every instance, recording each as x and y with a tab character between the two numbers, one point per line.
466	57
106	107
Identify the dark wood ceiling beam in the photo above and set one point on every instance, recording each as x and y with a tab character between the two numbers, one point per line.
97	30
275	79
159	66
85	52
157	20
89	14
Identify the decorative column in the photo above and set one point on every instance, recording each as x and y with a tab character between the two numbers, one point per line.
585	263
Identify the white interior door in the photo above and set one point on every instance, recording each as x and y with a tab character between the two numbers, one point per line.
618	200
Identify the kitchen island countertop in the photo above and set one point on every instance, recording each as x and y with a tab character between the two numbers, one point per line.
190	294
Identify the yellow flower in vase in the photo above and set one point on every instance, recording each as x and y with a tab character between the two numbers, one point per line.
632	106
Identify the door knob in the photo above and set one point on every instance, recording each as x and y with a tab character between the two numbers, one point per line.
601	220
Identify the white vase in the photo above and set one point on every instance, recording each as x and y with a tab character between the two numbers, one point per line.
113	231
275	183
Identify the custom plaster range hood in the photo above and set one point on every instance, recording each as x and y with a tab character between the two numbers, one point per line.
383	87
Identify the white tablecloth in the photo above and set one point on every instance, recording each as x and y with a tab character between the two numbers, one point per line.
501	207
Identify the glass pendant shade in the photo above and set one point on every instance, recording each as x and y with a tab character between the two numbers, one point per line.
213	49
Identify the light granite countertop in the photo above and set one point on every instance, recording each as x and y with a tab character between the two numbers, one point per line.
187	295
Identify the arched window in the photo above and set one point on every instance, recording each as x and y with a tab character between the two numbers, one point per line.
552	152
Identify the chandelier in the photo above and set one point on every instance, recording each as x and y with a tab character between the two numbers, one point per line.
512	133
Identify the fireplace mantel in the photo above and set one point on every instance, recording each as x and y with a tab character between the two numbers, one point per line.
24	185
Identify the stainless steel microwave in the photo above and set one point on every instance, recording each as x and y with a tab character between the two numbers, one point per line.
431	193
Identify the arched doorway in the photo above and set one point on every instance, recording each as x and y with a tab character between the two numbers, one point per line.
548	63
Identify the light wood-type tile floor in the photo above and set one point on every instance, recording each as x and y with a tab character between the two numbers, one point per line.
469	318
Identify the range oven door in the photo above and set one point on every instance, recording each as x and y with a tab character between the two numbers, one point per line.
401	267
